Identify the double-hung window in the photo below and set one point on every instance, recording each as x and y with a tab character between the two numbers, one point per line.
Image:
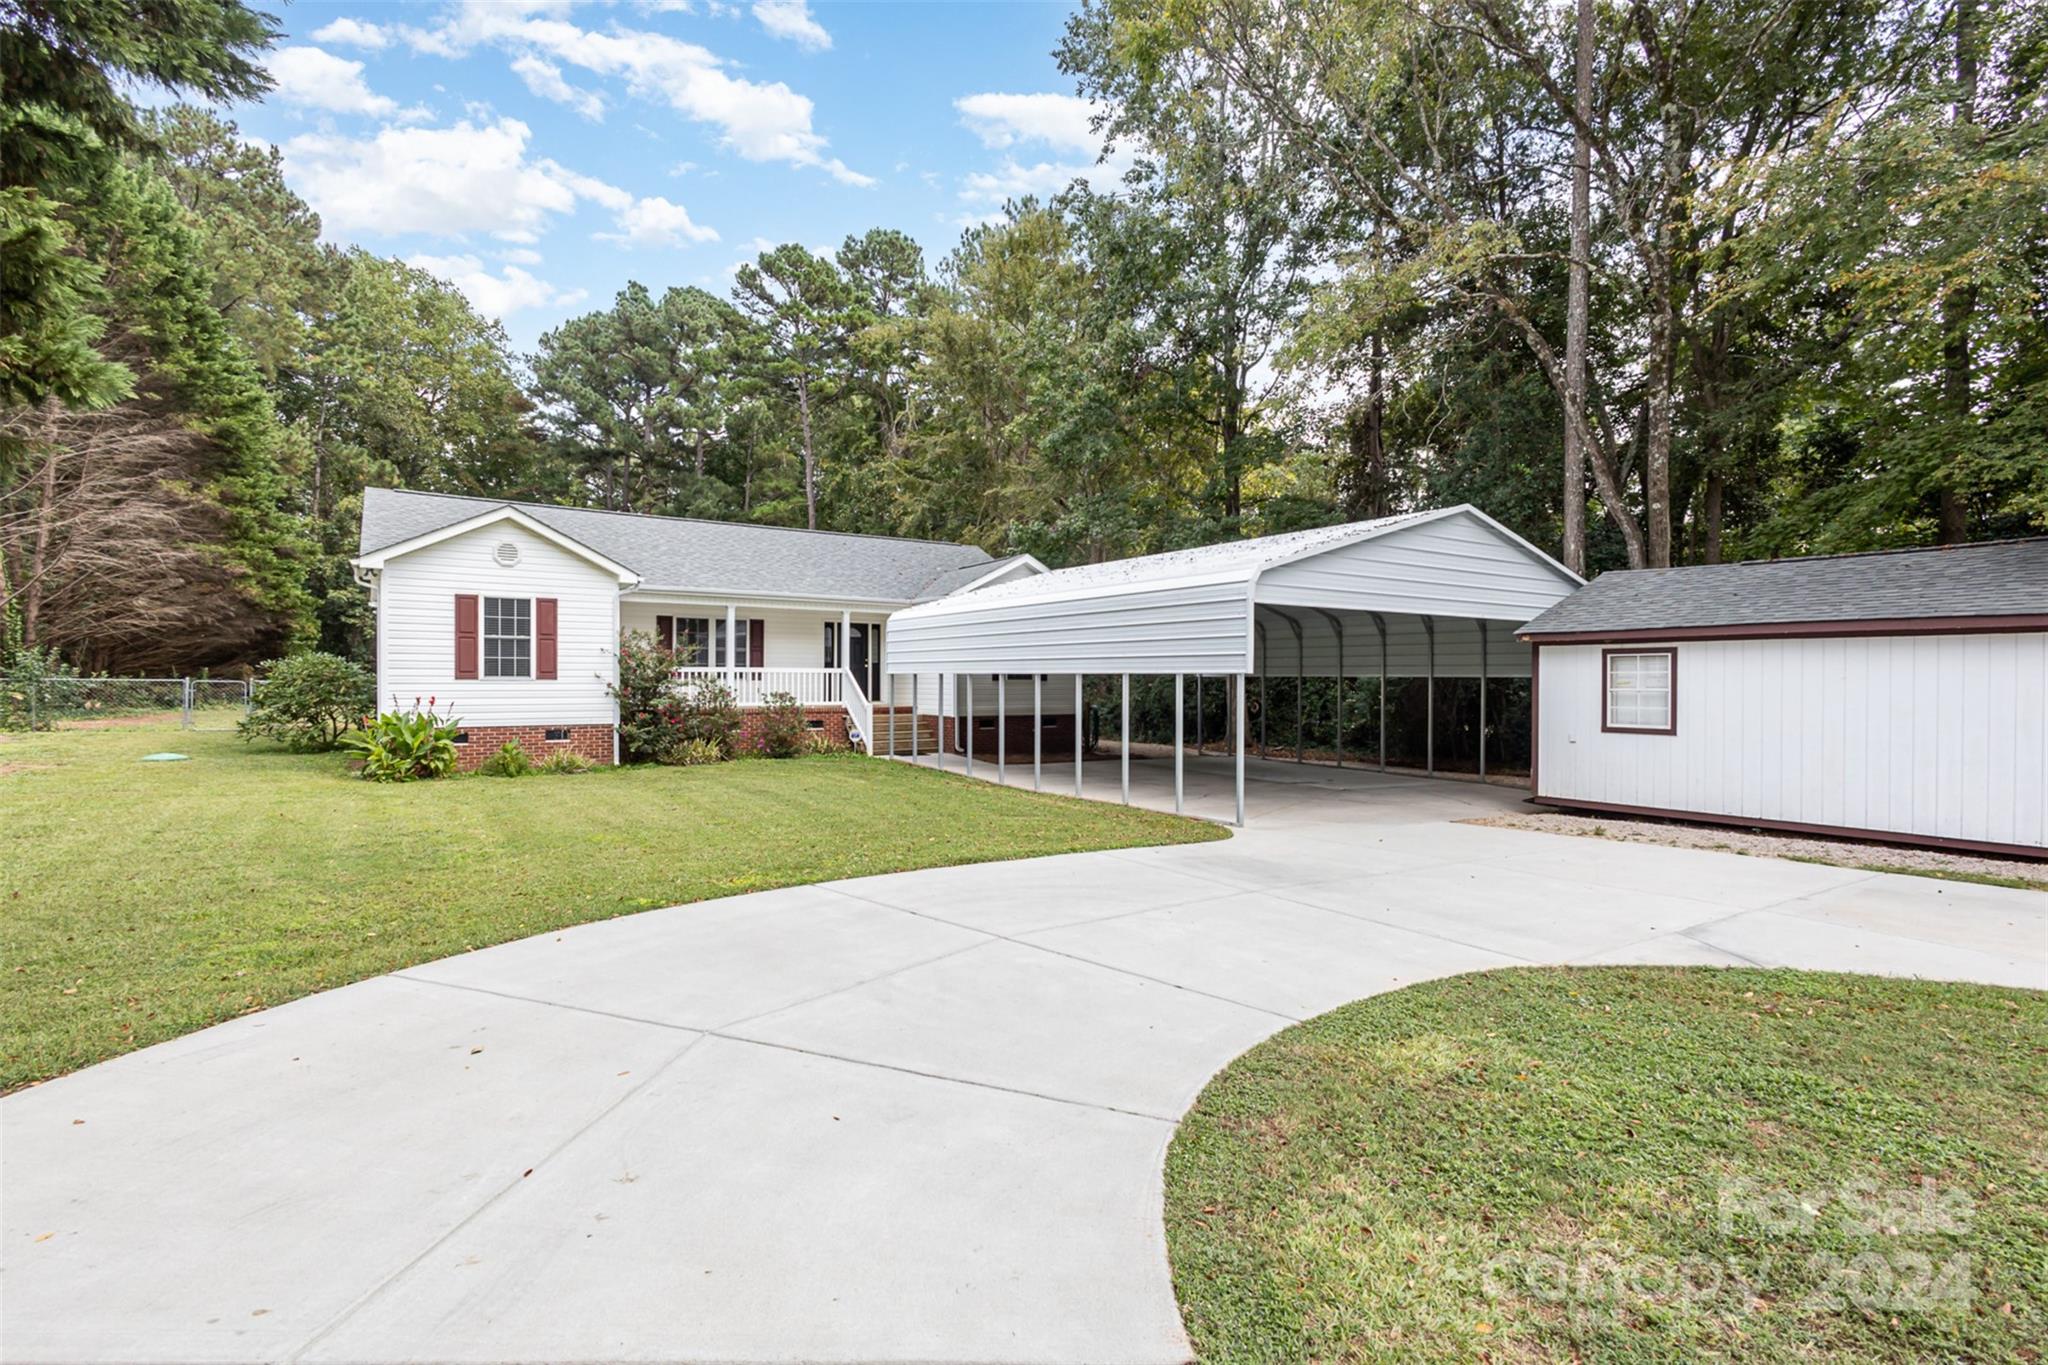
1641	691
508	637
693	642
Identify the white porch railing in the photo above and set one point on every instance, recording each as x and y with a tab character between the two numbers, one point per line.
860	712
751	687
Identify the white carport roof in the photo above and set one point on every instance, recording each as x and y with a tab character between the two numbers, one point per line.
1205	610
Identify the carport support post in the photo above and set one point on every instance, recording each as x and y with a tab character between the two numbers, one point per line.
1179	706
1337	624
1198	713
1002	729
1037	725
914	681
1380	623
1079	729
968	680
1240	750
1123	732
1429	708
1482	701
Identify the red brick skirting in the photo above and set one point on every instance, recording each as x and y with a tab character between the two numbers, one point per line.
829	719
593	742
1058	741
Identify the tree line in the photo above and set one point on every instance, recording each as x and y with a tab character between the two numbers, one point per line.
1652	283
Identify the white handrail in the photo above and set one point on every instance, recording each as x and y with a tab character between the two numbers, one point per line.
751	687
859	710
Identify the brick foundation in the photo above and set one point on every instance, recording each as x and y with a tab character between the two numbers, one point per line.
593	742
830	719
1058	740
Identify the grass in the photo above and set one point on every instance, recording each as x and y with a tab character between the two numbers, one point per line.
1625	1165
139	901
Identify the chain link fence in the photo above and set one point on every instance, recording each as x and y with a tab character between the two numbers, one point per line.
57	703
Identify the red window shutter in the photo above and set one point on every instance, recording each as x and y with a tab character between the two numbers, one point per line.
665	632
465	635
757	643
543	637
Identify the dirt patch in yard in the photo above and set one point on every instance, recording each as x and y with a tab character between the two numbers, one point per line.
1800	848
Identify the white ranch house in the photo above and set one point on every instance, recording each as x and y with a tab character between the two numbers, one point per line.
1901	696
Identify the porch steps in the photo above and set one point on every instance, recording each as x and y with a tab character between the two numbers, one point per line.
892	731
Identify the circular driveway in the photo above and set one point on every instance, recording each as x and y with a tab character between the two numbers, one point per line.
913	1117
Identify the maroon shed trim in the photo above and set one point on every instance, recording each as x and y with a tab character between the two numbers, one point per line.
1875	836
1535	713
466	639
1605	728
544	637
1785	630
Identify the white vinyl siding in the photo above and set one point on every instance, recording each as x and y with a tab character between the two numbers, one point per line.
1937	735
416	630
1454	566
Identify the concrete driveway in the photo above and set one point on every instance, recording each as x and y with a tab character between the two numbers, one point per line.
914	1117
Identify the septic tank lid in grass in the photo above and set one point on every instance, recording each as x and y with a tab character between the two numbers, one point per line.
164	758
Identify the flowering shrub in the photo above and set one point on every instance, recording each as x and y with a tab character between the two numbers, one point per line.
652	718
711	716
402	746
782	726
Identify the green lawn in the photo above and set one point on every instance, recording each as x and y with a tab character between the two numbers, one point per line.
1625	1164
139	901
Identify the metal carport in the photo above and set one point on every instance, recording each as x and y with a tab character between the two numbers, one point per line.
1425	594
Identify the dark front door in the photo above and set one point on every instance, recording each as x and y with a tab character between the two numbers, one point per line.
857	658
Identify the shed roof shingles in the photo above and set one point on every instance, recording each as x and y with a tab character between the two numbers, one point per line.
687	555
1999	578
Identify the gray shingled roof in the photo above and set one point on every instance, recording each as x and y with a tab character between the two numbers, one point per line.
1999	578
686	555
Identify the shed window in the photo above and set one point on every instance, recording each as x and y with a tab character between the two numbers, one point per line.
508	637
1642	691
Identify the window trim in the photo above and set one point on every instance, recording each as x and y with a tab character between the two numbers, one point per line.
484	637
1607	727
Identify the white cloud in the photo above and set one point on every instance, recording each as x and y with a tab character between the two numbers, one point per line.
655	222
320	80
465	178
353	33
509	291
544	78
760	121
520	255
792	19
1059	121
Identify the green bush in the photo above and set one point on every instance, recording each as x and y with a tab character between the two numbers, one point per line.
509	761
711	716
782	726
404	746
652	719
693	752
564	761
308	701
27	680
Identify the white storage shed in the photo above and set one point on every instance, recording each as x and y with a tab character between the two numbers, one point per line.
1898	696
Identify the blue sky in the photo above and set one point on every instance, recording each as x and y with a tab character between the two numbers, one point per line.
541	153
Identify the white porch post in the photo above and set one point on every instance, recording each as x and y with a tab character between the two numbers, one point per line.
1179	706
1123	733
1037	726
1002	729
1078	678
732	648
843	656
1240	750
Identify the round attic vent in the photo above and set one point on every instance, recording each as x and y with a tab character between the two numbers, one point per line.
507	554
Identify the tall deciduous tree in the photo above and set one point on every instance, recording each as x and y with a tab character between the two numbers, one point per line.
800	303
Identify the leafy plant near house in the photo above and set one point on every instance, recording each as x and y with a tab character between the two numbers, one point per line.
711	716
782	726
509	761
693	753
308	701
563	761
405	746
653	720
